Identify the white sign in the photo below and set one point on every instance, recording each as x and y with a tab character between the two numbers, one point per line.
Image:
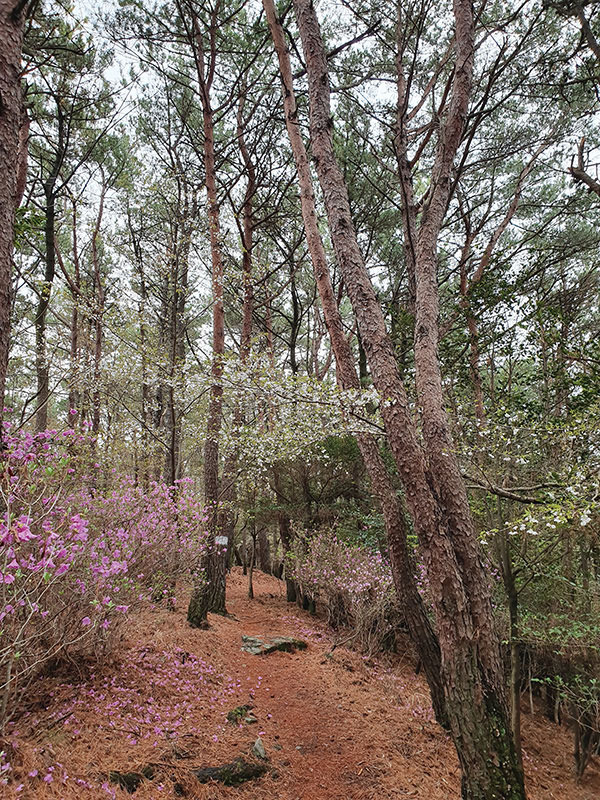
221	540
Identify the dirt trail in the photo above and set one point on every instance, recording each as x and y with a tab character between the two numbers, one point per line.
334	725
331	719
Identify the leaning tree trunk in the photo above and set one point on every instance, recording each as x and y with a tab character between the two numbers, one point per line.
403	568
13	157
472	673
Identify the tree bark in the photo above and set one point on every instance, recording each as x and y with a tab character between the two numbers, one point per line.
472	672
13	157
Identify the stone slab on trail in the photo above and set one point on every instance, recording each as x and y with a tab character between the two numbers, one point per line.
232	774
262	647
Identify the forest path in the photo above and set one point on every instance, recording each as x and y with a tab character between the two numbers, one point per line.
338	729
335	726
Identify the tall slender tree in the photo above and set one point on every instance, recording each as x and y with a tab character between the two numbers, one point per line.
203	37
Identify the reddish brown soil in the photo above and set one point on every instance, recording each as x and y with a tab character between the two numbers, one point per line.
334	725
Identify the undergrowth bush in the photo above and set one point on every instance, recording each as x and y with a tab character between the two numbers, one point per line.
562	655
75	560
354	584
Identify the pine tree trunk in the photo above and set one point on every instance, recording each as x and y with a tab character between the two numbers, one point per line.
100	298
177	296
226	517
13	154
42	366
75	284
146	420
212	597
211	449
247	234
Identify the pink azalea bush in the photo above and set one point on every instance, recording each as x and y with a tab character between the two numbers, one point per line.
353	582
75	560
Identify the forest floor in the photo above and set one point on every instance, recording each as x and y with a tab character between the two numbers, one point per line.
334	724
